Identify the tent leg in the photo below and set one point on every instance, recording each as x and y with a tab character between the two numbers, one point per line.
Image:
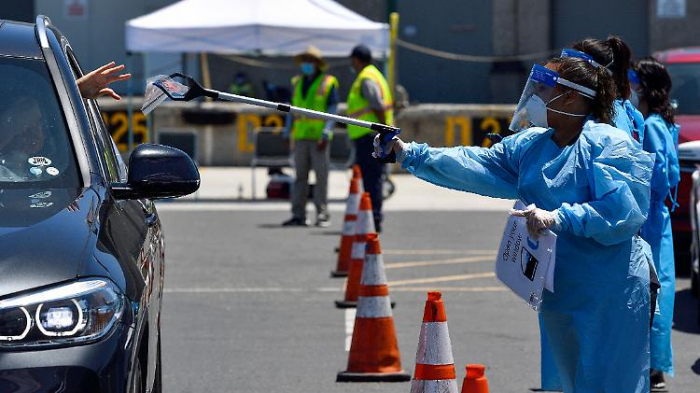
204	65
149	118
392	79
130	105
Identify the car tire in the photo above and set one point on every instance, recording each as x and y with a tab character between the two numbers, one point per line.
158	382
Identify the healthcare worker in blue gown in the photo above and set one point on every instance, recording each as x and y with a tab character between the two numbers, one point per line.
590	185
652	85
616	56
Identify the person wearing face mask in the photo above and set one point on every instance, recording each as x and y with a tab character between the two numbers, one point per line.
313	89
652	84
589	184
615	56
370	99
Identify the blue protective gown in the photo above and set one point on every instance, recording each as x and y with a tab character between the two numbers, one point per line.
657	232
597	321
629	119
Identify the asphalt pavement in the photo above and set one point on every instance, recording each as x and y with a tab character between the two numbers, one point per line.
249	304
261	299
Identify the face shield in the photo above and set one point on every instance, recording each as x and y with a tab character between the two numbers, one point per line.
538	93
635	87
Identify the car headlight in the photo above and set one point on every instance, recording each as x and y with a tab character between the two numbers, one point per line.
80	311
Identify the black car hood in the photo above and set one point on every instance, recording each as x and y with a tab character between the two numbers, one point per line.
45	236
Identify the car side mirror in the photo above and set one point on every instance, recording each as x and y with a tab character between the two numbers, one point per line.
157	171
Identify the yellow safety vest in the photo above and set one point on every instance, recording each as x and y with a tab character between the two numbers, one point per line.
358	106
316	99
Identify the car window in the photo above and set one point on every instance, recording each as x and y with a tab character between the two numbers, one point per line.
35	144
106	145
686	87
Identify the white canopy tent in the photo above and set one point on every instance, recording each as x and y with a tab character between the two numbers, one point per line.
257	27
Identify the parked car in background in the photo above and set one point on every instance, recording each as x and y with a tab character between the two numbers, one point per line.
81	243
684	66
690	153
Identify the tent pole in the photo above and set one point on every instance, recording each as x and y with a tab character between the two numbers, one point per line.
149	119
204	65
130	106
394	21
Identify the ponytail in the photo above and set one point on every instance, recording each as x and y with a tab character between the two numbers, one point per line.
603	108
622	56
614	55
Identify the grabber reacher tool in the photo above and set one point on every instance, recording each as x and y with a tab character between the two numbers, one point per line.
179	87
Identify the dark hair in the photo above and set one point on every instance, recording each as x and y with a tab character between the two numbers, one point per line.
656	85
362	53
613	54
597	79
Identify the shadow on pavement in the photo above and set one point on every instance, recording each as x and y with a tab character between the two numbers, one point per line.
696	367
685	314
276	226
327	233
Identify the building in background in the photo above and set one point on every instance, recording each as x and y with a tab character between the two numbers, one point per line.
483	28
95	29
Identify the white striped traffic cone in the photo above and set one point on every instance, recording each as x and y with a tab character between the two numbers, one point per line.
364	231
357	175
374	352
346	239
435	368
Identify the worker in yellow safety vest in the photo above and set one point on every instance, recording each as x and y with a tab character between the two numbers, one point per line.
313	89
369	99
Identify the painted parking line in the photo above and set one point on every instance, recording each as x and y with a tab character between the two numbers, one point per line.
450	289
205	291
451	261
457	277
250	290
439	252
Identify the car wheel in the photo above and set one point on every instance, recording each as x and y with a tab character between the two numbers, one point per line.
158	383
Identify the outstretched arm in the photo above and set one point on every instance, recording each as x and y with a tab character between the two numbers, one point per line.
95	84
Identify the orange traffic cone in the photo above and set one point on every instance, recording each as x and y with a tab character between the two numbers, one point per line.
346	238
435	368
374	352
475	381
364	230
357	175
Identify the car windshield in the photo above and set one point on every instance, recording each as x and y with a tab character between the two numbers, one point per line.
35	145
686	87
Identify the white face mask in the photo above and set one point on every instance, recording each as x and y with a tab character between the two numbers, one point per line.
537	110
634	98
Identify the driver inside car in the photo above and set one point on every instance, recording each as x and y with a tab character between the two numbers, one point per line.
26	148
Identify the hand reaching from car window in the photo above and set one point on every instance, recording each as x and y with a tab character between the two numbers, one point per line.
95	84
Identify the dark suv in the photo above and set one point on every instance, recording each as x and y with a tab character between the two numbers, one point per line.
81	243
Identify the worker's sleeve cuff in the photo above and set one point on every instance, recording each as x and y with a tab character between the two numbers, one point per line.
407	155
559	221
